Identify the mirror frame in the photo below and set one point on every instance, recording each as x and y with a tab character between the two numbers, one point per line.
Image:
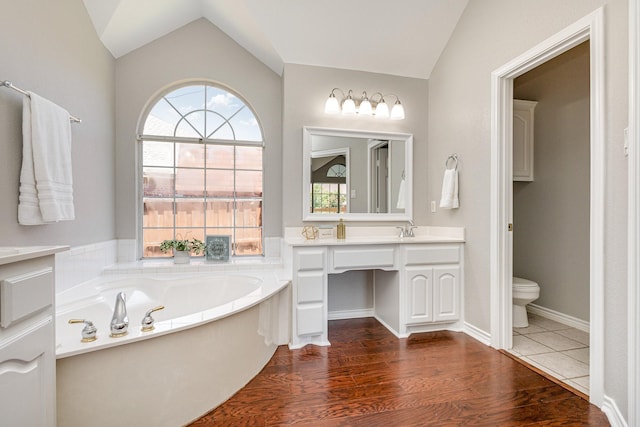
307	134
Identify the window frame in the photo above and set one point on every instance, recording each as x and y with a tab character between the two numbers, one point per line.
141	137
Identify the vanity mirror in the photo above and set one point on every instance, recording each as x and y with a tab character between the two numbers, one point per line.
356	175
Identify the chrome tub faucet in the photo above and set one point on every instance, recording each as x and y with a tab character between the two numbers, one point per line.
119	321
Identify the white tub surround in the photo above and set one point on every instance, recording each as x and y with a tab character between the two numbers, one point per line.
418	281
216	332
83	263
170	380
190	300
27	355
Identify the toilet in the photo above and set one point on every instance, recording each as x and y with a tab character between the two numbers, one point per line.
524	292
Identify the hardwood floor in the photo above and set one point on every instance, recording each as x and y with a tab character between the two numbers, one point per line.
368	377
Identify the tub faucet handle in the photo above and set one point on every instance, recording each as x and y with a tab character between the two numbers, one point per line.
147	321
88	332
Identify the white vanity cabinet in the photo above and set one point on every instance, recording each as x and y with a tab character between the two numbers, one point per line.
27	338
523	123
417	282
433	283
309	293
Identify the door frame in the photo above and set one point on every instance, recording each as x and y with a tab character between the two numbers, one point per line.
591	28
633	286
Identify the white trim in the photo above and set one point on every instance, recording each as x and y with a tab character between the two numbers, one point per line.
477	334
389	328
350	314
633	263
612	412
588	28
565	319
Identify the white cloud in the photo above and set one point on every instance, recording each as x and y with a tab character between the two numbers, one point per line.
225	99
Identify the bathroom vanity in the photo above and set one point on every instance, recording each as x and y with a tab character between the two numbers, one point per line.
27	336
418	281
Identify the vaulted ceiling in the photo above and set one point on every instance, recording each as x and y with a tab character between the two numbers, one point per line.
401	37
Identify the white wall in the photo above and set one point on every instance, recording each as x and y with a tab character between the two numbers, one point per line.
198	50
491	33
51	48
551	213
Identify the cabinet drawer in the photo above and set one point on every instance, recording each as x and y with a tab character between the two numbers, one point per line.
361	258
309	259
310	319
310	286
24	295
430	254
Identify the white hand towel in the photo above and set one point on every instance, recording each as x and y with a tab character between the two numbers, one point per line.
46	185
400	203
449	198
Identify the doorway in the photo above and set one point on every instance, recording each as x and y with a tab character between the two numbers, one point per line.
590	28
551	215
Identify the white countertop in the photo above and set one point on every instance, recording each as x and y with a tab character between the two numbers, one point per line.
9	254
379	235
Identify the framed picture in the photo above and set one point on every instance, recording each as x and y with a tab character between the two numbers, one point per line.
217	247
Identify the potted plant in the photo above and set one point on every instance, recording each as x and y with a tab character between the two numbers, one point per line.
182	249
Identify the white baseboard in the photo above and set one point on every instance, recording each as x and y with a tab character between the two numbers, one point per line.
612	412
565	319
389	328
477	334
418	329
350	314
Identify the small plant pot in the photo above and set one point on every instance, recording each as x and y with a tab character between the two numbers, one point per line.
181	257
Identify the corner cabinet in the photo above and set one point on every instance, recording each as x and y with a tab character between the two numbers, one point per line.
523	124
27	340
417	286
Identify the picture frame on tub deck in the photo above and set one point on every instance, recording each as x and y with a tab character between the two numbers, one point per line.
217	247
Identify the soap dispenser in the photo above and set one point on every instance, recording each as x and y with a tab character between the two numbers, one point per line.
341	232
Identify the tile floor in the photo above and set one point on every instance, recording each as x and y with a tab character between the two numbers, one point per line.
559	350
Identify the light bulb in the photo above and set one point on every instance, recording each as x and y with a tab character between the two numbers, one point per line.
349	106
382	110
332	106
397	112
365	107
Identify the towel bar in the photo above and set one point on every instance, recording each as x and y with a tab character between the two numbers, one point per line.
10	85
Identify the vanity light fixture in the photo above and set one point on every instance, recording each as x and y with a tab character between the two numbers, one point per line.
366	107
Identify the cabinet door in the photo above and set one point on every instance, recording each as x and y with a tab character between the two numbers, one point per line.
523	123
446	293
419	295
27	379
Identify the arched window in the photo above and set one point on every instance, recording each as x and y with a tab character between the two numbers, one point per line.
201	169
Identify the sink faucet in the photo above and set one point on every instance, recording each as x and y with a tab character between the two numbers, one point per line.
119	321
407	230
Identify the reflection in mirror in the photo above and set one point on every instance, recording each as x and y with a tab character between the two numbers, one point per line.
356	175
329	181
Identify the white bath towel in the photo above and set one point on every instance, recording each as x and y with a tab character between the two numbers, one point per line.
449	198
401	190
46	186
